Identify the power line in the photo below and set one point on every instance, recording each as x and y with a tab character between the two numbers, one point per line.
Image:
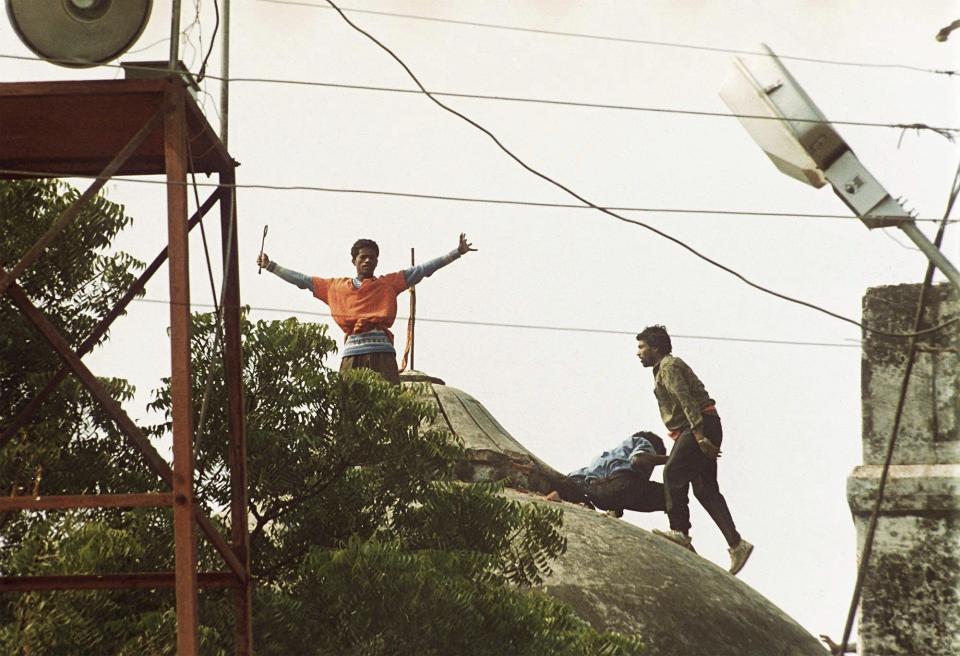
148	46
601	37
213	37
523	326
947	132
585	201
463	199
944	131
614	214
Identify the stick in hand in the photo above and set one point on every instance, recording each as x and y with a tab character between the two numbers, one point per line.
262	242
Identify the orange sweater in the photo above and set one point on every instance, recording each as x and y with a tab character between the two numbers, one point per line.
373	306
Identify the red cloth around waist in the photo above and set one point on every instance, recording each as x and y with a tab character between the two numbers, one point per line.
707	410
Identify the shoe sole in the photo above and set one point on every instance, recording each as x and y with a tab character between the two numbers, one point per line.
688	546
742	562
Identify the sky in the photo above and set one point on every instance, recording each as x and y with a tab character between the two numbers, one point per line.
791	412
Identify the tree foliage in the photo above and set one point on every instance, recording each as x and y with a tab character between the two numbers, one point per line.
70	446
362	543
74	284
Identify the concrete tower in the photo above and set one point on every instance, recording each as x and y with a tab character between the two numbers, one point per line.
911	595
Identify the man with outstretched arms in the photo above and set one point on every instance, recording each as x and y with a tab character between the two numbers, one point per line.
691	418
365	307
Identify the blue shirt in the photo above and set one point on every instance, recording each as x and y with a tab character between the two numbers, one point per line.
616	460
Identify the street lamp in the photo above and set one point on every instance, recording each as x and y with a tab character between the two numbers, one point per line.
797	137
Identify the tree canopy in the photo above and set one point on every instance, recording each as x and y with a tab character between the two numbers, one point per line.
361	540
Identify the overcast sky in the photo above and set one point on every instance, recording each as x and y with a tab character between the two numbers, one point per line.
791	412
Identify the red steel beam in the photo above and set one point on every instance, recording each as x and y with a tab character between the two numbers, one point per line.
69	214
86	377
68	501
110	581
184	537
29	410
237	450
132	432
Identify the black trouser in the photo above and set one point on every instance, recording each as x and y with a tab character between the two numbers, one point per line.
627	492
688	466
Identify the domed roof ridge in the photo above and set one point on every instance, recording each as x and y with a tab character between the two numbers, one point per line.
493	454
616	575
414	376
620	577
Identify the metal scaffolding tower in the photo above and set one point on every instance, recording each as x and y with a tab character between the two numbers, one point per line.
138	127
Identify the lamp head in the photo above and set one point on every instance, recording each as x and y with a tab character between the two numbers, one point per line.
782	118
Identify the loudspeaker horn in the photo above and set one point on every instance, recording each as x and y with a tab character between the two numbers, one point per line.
79	33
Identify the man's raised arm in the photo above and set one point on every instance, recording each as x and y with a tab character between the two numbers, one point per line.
415	274
293	277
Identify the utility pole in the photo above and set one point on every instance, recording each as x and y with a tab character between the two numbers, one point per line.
174	35
225	71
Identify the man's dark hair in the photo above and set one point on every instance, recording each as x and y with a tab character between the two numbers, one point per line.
364	243
657	337
653	439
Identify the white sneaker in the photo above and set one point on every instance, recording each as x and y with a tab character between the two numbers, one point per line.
739	555
677	538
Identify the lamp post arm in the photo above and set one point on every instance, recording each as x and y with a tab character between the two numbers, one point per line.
933	253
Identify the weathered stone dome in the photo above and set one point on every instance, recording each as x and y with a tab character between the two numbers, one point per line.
617	575
494	455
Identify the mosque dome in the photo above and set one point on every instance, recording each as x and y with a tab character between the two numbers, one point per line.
616	575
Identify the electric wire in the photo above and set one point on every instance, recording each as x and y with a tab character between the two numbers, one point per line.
619	217
607	211
185	36
942	130
195	185
462	199
148	46
601	37
912	337
217	337
898	414
289	188
213	37
527	326
203	231
899	243
945	131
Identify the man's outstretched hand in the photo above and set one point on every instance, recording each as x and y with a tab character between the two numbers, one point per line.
464	247
263	261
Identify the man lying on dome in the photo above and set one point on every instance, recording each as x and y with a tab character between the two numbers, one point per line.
619	479
366	306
